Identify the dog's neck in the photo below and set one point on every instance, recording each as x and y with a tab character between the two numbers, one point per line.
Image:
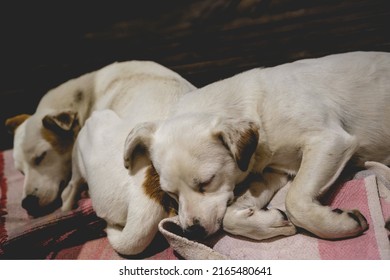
232	95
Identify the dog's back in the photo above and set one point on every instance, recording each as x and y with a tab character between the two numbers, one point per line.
120	85
351	90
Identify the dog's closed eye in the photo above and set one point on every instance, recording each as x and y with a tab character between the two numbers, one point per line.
203	185
39	159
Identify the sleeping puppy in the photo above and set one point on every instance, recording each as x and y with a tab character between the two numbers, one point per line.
259	129
131	204
43	142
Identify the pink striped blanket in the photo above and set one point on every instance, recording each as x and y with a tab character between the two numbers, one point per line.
79	234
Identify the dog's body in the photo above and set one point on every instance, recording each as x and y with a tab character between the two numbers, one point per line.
131	205
43	142
303	120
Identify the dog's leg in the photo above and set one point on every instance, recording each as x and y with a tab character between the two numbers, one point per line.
70	194
72	190
324	157
248	217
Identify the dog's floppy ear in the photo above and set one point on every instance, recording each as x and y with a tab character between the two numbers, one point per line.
240	137
13	123
138	142
62	123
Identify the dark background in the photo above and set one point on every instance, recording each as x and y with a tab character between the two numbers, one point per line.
46	43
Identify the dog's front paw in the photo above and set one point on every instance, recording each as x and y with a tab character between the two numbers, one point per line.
353	223
327	223
258	224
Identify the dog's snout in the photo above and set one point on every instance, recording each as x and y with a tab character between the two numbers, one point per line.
196	231
30	203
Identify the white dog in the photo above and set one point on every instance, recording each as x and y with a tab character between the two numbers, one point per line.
43	142
131	205
303	120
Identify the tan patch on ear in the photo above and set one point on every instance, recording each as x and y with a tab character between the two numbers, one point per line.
246	146
62	144
13	123
153	189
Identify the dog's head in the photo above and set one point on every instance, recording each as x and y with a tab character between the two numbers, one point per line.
42	152
199	162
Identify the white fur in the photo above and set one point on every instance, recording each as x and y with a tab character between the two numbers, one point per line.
312	116
119	197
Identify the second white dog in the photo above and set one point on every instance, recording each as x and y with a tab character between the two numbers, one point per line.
305	120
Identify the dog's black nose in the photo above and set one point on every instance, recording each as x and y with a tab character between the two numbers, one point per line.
31	204
195	232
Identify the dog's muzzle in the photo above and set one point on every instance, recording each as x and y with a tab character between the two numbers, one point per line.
31	204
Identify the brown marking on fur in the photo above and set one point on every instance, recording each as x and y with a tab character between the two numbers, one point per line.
64	121
61	131
60	143
246	146
13	123
242	144
153	190
78	96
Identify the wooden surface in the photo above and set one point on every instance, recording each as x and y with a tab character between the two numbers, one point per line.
43	45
